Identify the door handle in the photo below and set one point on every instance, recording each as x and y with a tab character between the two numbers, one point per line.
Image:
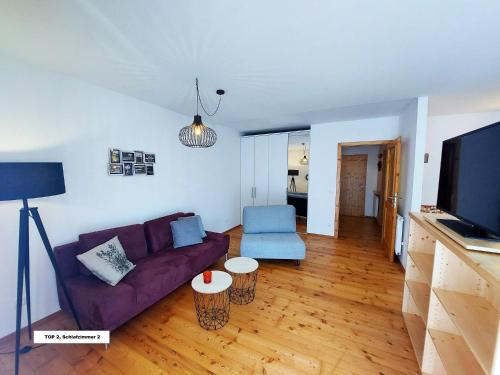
394	200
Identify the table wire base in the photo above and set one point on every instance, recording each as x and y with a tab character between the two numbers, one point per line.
212	310
242	290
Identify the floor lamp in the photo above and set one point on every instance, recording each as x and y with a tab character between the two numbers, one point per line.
21	181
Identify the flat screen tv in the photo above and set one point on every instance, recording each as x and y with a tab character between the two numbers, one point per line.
469	182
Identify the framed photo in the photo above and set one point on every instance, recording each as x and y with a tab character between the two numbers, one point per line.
150	170
114	155
139	169
149	158
139	157
128	169
115	169
128	157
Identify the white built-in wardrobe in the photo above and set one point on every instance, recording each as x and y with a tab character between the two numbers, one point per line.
264	169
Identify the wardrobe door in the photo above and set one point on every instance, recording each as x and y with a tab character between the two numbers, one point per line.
278	168
261	170
247	172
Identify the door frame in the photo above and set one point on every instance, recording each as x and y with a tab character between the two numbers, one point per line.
339	168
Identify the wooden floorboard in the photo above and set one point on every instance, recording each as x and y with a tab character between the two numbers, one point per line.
339	312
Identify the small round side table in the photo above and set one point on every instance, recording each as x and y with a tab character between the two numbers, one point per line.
212	300
244	273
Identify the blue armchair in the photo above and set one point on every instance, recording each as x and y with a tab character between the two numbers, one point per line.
269	232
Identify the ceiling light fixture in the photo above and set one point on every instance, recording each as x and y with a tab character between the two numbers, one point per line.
198	135
304	160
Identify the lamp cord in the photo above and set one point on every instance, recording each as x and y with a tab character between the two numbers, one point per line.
198	100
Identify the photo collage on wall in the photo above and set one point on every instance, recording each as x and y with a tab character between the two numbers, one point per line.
130	163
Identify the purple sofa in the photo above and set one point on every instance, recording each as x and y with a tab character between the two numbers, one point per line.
160	269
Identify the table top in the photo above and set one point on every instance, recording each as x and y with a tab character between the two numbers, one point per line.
241	265
220	281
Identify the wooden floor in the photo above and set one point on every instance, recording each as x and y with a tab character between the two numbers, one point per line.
337	313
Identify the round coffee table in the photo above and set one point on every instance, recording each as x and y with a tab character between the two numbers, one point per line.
212	300
244	273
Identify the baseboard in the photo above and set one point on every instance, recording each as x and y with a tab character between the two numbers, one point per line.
11	337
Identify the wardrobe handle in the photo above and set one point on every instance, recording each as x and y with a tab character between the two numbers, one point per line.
255	191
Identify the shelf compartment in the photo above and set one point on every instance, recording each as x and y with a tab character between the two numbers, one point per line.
420	240
424	262
454	353
476	319
416	330
420	293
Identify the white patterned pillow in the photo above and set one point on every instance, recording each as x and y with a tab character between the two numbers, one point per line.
108	261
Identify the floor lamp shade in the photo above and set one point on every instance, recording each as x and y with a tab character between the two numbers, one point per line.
31	180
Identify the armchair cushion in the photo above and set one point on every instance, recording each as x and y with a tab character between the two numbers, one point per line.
269	219
272	246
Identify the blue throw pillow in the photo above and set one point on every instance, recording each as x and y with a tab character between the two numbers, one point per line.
185	233
196	218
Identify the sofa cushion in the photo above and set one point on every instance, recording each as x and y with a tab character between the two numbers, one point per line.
157	275
272	246
269	219
185	233
158	232
131	237
199	222
203	255
107	261
99	305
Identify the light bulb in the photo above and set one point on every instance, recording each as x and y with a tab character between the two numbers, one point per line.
197	130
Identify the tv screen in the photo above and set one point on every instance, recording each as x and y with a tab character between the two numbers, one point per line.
469	180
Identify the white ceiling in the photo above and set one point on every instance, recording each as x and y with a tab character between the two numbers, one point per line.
282	62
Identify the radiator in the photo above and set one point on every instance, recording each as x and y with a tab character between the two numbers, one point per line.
398	244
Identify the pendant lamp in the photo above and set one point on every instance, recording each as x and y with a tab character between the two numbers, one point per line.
304	160
198	135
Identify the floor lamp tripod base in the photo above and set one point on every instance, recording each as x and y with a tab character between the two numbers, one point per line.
23	273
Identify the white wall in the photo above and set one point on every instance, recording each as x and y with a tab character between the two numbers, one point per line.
413	124
439	129
294	155
49	117
371	172
323	163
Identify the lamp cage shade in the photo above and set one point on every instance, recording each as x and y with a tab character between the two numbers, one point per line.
31	180
197	135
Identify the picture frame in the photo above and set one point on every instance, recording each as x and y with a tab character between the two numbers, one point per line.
139	157
140	169
149	157
114	155
150	170
128	157
115	169
128	169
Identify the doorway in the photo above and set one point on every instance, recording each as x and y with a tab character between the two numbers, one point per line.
353	184
298	176
367	190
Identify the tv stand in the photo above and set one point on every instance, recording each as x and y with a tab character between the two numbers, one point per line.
465	230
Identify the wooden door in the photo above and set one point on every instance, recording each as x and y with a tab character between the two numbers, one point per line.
353	185
261	189
278	168
391	196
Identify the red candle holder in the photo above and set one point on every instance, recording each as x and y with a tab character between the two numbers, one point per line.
207	277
